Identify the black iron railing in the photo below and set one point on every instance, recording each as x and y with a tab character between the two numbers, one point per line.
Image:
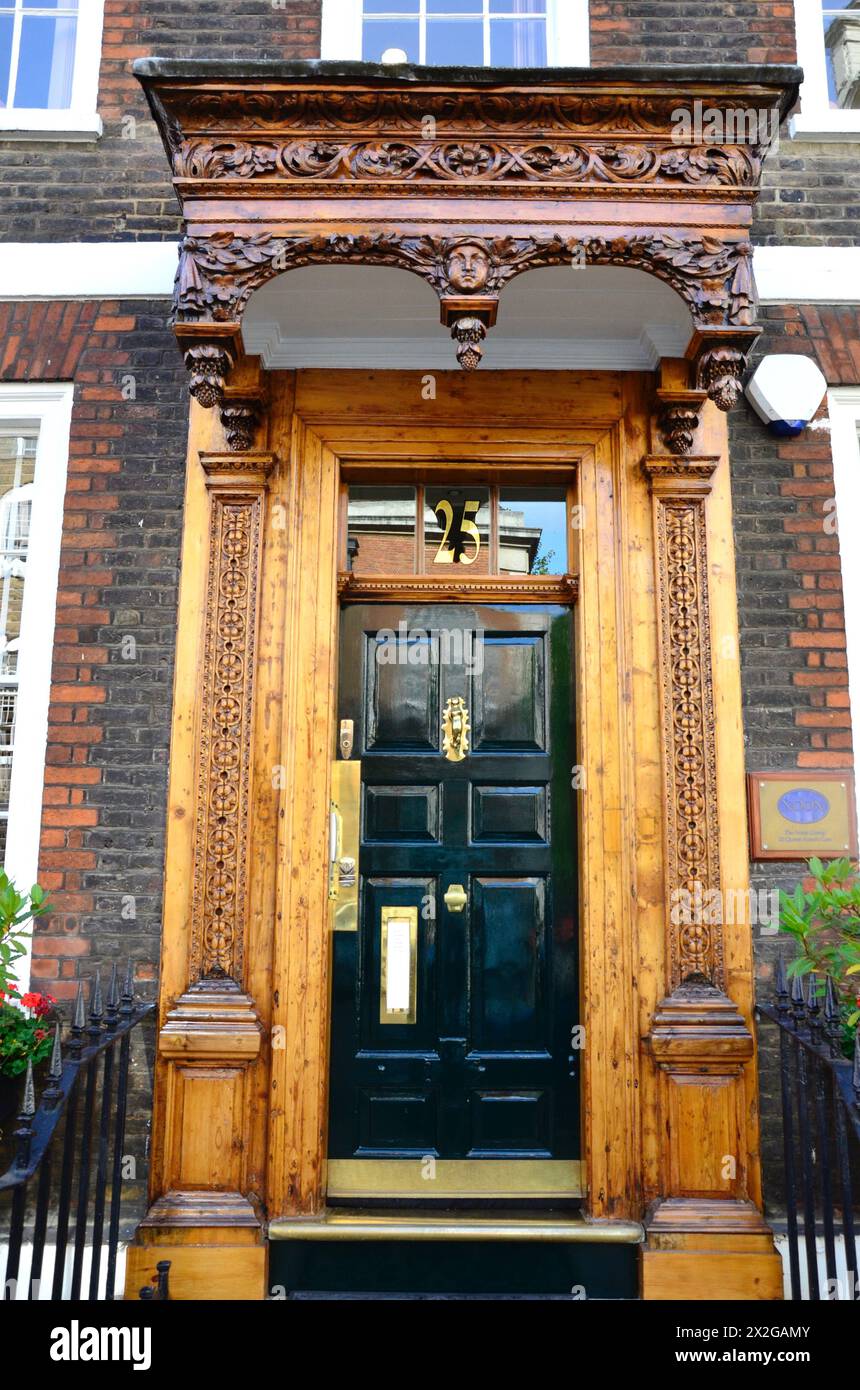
65	1178
820	1098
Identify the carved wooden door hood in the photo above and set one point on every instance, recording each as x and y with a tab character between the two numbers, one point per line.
466	178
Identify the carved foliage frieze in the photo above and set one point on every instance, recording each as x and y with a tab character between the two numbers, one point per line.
690	791
457	161
226	707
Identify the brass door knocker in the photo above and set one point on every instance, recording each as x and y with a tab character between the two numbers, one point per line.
455	729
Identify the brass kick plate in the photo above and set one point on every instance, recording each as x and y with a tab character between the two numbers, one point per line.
431	1179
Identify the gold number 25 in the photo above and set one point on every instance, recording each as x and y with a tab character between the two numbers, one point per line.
445	555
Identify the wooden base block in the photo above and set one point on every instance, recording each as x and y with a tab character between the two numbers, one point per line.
201	1272
724	1275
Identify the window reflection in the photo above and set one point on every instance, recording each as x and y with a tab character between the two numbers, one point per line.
533	531
381	530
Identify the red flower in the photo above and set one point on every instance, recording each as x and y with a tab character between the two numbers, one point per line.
39	1003
39	1034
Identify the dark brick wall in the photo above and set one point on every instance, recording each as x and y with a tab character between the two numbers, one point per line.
810	196
675	31
119	187
792	622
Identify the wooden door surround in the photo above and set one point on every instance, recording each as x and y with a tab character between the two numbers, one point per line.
669	1109
467	180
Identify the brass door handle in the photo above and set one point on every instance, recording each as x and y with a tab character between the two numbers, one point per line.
456	898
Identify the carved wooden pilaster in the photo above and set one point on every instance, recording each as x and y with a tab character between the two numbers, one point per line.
704	1224
211	1034
236	487
679	488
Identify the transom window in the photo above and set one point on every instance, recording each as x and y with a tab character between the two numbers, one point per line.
49	65
458	33
448	528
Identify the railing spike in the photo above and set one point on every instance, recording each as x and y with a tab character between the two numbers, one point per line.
52	1092
28	1104
829	999
79	1020
55	1070
24	1129
798	1001
80	1015
127	997
113	991
855	1079
813	1009
96	1000
781	984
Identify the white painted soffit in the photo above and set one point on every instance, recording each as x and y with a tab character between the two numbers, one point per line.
559	317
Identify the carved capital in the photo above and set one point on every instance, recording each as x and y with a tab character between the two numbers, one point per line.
209	364
240	418
720	357
678	418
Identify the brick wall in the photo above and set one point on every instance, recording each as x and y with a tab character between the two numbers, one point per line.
118	186
672	31
792	622
106	779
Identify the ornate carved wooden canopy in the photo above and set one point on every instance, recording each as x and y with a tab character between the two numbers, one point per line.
468	179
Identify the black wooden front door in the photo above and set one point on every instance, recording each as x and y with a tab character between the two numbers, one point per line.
486	1071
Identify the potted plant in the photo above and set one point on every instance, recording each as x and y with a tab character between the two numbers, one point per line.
24	1034
825	923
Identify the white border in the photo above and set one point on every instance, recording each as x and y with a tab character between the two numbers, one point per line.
81	120
807	274
568	37
844	409
817	119
48	409
87	269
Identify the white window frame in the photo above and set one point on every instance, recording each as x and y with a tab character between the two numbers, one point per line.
48	410
568	39
81	120
817	119
843	403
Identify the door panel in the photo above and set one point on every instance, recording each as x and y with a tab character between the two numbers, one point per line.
485	1071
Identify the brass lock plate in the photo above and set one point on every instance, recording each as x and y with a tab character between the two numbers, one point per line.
343	851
